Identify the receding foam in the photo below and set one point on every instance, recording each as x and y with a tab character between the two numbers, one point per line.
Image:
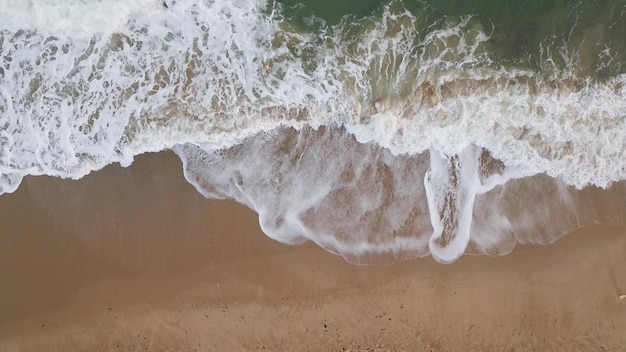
86	84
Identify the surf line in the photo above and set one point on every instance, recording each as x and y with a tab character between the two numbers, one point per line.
452	184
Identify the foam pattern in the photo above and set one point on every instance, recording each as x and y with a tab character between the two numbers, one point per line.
86	84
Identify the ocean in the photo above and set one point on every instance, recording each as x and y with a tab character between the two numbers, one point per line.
380	130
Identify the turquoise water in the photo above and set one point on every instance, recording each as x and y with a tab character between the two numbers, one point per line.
521	31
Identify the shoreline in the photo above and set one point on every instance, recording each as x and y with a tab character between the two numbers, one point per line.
134	258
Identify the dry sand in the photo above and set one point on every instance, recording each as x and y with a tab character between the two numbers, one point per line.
134	259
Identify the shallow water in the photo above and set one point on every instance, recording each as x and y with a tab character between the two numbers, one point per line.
388	129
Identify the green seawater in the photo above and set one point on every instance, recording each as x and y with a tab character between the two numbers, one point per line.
584	38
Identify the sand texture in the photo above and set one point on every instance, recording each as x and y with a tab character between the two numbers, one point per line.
135	259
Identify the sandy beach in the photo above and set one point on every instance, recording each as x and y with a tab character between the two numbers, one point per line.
133	259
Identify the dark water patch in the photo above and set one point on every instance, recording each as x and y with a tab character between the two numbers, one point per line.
555	37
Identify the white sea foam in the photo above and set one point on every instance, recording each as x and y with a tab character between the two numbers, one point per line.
362	202
72	17
85	84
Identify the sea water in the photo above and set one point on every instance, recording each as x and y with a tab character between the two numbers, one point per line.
379	129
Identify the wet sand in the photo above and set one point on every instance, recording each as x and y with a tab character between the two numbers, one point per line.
134	259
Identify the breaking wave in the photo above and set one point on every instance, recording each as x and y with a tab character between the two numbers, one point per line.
388	136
